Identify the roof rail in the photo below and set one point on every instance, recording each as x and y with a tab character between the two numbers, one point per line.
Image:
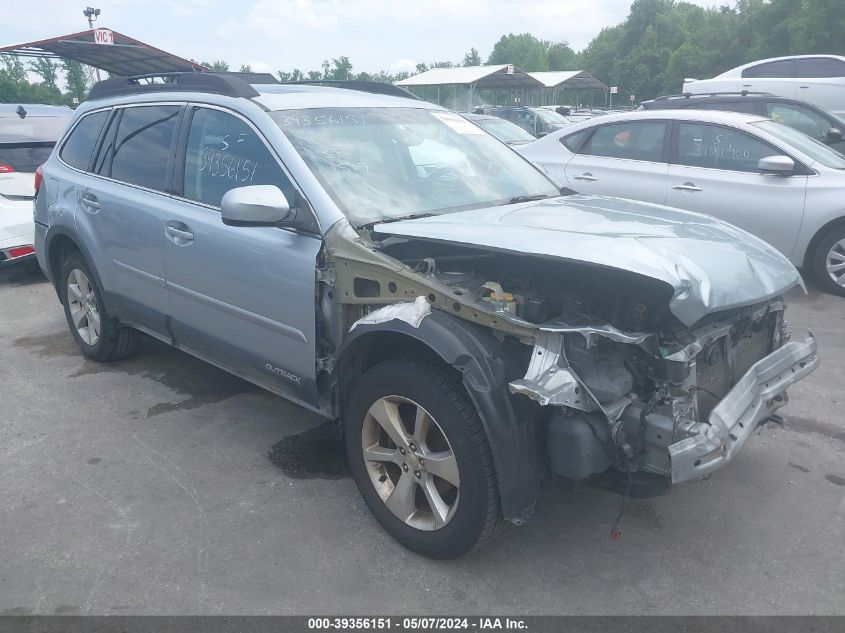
376	87
687	95
226	85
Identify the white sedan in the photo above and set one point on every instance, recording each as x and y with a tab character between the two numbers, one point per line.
764	177
28	133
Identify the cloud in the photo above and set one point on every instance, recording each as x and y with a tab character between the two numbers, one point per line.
261	67
407	65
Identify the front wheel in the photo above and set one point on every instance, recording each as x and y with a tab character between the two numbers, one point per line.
829	261
421	459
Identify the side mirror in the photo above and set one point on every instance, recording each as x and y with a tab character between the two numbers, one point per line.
834	134
255	205
776	165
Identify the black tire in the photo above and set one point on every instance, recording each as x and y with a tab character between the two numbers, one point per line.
437	389
819	261
115	341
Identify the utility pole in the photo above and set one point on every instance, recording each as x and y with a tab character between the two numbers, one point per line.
92	14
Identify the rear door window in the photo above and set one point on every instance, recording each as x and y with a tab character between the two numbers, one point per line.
820	67
771	70
640	140
716	147
225	152
137	148
79	146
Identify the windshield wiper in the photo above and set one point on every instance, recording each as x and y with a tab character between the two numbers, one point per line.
536	196
410	216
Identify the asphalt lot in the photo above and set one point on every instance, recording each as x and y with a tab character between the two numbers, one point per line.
163	485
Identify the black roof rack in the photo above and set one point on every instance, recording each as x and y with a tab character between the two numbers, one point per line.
376	87
226	85
687	95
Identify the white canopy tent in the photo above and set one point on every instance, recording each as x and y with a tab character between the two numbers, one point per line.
472	79
556	82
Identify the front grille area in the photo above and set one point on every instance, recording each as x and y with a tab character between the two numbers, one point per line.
724	361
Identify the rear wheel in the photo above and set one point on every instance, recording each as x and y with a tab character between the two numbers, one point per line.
98	335
421	459
829	261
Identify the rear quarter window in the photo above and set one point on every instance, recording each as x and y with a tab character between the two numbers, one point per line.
79	146
573	142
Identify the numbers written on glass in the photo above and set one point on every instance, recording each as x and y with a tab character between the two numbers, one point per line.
226	165
333	118
722	147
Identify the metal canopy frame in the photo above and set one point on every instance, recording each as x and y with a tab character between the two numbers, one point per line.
474	78
125	57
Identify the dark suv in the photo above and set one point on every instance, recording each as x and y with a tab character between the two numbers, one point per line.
801	115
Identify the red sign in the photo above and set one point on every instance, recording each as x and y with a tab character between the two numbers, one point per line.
103	36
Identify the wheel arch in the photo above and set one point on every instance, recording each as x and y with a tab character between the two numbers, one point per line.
59	244
819	235
477	355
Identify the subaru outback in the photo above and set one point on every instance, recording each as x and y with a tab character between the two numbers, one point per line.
389	265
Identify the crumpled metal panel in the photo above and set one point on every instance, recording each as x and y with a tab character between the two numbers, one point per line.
710	265
758	394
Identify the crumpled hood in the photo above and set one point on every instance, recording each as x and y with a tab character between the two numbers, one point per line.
711	265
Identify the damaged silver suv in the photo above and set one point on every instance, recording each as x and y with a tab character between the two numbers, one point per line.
388	264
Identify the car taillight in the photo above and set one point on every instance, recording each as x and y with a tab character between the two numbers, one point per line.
5	168
39	178
20	251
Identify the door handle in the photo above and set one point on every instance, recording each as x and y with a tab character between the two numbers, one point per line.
585	176
179	234
803	86
687	186
90	202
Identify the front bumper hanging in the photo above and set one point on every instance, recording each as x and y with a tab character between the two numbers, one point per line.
758	394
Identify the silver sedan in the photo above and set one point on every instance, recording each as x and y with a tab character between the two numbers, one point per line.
764	177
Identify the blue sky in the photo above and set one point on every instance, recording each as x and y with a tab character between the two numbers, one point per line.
275	35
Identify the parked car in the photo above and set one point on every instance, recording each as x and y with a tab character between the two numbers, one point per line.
28	133
470	327
764	177
819	79
536	121
502	129
801	115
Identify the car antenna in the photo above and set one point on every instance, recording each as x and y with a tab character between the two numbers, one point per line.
20	112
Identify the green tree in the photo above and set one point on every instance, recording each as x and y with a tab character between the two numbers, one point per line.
472	58
48	70
217	66
562	57
77	78
341	68
245	68
525	50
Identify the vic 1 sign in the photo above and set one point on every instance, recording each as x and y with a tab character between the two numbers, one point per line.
103	36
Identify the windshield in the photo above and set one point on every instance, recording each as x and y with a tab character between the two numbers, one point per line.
386	163
505	131
803	143
551	117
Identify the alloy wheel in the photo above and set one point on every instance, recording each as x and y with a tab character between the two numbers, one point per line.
835	262
83	306
410	462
